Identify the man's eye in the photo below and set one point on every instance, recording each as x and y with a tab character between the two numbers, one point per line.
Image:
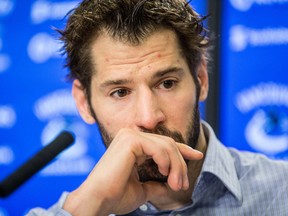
167	84
120	93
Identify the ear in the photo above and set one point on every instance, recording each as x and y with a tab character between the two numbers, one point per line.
203	79
81	101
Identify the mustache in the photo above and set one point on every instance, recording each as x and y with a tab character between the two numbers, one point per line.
164	131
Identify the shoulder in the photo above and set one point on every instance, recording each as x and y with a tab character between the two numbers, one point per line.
257	162
264	178
258	166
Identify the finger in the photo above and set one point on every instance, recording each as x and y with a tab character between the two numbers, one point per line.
177	177
166	154
163	162
169	157
185	180
178	169
186	151
155	147
189	153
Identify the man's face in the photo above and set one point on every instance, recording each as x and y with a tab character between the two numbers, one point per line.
148	171
147	87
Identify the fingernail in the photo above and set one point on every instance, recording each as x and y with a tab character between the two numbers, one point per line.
198	152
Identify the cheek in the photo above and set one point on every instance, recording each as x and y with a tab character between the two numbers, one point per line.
182	112
111	117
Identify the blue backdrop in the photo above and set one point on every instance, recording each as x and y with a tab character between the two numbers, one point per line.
254	83
36	104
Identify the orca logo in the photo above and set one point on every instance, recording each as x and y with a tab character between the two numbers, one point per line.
267	130
58	111
259	133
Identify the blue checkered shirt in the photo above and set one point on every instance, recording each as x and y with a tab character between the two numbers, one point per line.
231	183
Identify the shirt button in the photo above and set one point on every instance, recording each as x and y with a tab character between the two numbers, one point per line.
143	207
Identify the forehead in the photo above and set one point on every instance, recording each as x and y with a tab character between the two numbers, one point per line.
159	49
106	49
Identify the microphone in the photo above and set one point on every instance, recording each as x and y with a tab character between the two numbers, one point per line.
35	163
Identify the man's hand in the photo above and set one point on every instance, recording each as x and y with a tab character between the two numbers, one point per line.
113	185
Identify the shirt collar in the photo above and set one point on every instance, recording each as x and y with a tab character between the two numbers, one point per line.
220	163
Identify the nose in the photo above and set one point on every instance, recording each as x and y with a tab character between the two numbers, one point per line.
148	111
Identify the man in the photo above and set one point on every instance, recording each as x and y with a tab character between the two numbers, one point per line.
139	71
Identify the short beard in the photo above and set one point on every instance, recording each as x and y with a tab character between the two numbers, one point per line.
148	171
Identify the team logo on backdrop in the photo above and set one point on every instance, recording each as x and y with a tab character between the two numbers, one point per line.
245	5
58	110
241	37
267	130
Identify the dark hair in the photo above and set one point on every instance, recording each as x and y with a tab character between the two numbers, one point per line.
130	21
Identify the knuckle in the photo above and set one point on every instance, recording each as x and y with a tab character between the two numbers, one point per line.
126	137
170	145
126	134
170	141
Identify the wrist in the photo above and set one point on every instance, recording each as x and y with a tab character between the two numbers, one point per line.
77	205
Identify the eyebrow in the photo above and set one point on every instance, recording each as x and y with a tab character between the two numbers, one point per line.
158	74
115	82
164	72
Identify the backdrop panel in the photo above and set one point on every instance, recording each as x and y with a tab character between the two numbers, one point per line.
36	103
254	81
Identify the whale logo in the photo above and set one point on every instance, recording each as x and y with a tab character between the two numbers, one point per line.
260	140
57	110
